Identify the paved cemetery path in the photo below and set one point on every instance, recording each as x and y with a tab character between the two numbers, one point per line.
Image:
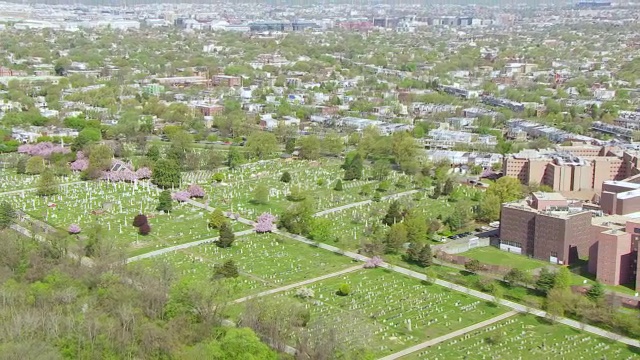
365	202
298	284
510	304
181	246
228	214
13	192
449	336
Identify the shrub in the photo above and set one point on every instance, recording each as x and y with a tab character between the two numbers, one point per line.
181	196
296	194
140	220
226	235
145	229
74	229
217	177
196	191
321	182
338	186
227	270
286	177
216	219
374	262
304	293
344	290
264	223
383	186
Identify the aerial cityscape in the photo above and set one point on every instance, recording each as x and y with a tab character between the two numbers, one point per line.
319	180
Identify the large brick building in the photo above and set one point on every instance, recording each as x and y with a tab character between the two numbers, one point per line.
226	80
549	227
571	168
546	227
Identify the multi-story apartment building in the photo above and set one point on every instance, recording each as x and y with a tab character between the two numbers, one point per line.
571	168
226	80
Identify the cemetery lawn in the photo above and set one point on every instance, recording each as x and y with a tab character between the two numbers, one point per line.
11	181
527	337
494	256
377	312
236	191
112	207
351	227
265	261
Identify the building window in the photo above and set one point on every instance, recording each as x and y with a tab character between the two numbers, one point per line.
554	254
636	230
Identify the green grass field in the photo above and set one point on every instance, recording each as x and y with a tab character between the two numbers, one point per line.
527	337
381	304
265	261
494	256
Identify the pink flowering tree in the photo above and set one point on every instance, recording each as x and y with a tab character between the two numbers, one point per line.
43	149
143	173
181	196
128	175
79	165
374	262
74	229
264	223
195	191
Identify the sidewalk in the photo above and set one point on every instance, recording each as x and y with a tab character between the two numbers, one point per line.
449	336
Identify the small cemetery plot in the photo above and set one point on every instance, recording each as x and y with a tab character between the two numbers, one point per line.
391	311
354	225
274	260
113	206
10	181
236	192
188	266
527	337
264	261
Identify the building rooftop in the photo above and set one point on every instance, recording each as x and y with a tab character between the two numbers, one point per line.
549	196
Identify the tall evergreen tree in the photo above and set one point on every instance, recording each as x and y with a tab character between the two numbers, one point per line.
394	214
226	235
234	158
286	177
596	292
413	252
21	166
425	259
354	169
338	186
47	183
164	202
448	187
153	153
290	145
166	174
7	215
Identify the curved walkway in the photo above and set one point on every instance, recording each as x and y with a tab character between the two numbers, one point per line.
365	202
181	246
298	284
